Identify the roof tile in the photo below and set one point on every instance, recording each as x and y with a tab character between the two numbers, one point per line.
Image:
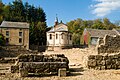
8	24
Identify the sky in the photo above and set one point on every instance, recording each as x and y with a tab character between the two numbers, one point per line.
68	10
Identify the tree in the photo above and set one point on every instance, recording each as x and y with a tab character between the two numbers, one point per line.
108	24
76	39
39	32
76	28
2	40
98	24
1	11
20	12
16	11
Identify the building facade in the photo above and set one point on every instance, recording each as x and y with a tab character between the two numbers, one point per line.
16	33
59	37
91	36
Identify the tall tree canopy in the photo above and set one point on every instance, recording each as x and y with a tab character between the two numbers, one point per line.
77	26
18	11
1	11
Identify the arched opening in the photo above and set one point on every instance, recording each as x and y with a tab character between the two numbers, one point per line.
50	36
62	35
56	36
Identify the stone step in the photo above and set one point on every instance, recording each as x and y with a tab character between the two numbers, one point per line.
5	70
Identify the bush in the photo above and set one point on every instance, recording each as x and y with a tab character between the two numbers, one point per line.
2	40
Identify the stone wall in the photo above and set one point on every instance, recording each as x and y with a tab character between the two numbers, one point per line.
14	51
7	60
42	58
14	36
34	63
102	62
41	67
109	44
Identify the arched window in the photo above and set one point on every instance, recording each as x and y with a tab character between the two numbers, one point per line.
50	36
56	36
62	35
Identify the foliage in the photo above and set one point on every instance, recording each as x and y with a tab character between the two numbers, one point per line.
76	39
39	31
1	11
17	11
77	26
2	40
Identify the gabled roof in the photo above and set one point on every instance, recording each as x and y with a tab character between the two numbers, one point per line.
59	28
100	33
8	24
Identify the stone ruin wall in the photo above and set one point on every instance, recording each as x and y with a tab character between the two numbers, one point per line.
103	62
40	63
108	56
109	44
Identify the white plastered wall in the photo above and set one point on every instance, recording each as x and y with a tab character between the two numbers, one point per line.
50	42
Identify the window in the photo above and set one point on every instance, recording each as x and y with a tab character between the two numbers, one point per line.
7	33
7	40
20	40
70	37
50	36
62	35
56	36
20	34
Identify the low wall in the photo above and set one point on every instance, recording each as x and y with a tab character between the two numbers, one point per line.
102	62
41	67
42	58
7	60
109	44
40	63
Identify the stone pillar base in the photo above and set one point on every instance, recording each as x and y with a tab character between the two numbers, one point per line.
62	72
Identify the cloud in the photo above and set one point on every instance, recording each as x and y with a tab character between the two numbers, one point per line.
104	7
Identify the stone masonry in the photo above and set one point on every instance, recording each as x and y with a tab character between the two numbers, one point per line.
41	64
108	56
109	44
102	62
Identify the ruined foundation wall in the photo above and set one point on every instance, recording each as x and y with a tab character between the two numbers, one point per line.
40	63
109	44
102	62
